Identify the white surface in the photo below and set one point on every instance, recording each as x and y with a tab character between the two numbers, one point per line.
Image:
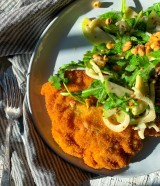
69	44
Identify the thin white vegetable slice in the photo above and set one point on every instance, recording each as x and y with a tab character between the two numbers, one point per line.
117	89
110	112
149	115
153	125
95	72
141	128
120	127
91	73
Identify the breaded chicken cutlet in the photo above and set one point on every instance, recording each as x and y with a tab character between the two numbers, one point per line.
81	132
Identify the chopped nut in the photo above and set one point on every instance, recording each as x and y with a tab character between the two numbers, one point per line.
85	124
134	50
108	21
147	50
100	60
156	48
97	57
110	45
153	38
141	50
127	45
72	103
130	103
96	4
156	45
147	44
88	103
157	34
117	67
105	58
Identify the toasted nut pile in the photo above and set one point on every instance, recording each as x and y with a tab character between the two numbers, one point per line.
154	42
139	49
100	60
152	45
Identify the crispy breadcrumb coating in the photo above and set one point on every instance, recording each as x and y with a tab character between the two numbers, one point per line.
80	131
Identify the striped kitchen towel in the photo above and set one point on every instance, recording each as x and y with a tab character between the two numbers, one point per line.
33	163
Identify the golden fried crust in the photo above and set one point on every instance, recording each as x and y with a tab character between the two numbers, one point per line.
152	131
81	132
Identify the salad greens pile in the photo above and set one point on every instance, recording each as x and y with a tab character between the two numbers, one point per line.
122	62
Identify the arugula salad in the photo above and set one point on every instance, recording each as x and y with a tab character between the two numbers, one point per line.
125	65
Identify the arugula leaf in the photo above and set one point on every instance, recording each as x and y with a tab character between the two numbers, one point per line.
73	95
139	65
130	21
142	36
155	54
112	29
138	18
114	101
130	68
96	89
117	48
154	7
115	16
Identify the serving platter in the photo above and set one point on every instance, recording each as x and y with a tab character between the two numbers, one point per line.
61	42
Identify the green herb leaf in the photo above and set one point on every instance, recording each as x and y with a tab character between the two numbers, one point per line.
114	101
115	16
96	89
60	78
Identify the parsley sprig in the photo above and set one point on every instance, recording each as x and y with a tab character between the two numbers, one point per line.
60	78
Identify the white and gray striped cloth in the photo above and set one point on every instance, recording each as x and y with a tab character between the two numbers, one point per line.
33	163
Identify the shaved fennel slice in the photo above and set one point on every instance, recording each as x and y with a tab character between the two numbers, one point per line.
149	115
110	112
141	128
153	125
95	72
120	127
96	23
91	73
